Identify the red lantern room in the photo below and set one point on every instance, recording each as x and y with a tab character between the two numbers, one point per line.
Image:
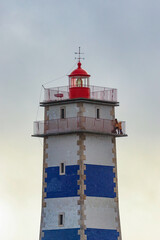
79	83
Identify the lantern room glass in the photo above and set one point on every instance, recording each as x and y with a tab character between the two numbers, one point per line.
78	81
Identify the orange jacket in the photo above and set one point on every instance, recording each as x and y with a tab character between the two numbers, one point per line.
116	124
120	125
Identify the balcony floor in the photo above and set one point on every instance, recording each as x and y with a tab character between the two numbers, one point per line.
79	131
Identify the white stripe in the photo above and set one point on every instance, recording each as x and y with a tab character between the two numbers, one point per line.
99	150
55	206
101	213
62	148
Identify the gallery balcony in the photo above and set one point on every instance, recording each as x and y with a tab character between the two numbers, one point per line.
66	93
75	125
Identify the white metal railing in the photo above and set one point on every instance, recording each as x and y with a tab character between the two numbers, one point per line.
77	124
97	93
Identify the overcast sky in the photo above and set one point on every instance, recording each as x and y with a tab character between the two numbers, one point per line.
121	42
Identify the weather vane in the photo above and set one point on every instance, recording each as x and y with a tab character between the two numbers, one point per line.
79	53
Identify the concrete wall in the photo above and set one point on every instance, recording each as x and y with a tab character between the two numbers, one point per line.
101	234
72	110
99	150
100	213
55	206
62	148
87	193
90	111
100	181
63	234
61	185
91	234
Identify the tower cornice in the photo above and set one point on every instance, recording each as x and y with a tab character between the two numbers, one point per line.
78	100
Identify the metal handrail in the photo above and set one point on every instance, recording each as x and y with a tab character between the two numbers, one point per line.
75	124
96	92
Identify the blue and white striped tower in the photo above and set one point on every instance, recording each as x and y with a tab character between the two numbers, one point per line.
80	191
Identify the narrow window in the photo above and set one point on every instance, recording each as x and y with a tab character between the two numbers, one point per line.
62	169
97	113
61	220
63	113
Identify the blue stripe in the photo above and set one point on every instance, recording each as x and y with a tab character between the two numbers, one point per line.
101	234
72	234
62	185
99	181
63	234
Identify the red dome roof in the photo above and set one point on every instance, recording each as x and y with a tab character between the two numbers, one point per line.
79	72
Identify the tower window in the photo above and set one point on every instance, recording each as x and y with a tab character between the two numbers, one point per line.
97	113
61	219
63	113
62	169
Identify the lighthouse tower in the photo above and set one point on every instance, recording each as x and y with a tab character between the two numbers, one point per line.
79	190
